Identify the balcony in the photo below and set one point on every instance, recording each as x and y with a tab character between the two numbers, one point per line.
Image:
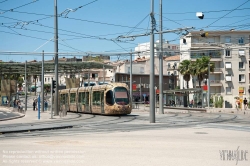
217	70
214	55
212	83
215	83
206	45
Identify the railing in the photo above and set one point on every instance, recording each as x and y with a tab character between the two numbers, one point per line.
215	81
217	69
211	54
204	44
211	82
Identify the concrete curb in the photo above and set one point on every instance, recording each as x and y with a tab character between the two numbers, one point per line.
36	129
11	110
16	117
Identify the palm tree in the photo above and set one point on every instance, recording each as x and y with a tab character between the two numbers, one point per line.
184	69
201	68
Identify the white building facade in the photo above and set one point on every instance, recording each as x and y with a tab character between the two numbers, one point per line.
229	51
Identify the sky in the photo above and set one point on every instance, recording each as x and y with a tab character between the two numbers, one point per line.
93	25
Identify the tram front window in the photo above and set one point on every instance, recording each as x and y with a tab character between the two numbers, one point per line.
109	97
121	95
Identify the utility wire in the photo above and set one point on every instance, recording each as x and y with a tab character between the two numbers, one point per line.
213	11
3	1
227	13
11	10
137	25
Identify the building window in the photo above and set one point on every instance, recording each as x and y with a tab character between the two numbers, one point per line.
241	40
45	79
48	79
241	78
168	65
175	73
228	90
94	75
211	40
228	39
228	53
228	77
228	65
169	73
141	69
128	69
241	52
174	47
241	65
175	66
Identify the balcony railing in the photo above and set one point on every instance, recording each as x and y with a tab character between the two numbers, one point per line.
215	82
217	70
212	83
211	54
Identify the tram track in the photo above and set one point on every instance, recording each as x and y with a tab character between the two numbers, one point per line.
130	123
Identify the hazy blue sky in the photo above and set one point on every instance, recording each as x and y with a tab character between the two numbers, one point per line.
30	24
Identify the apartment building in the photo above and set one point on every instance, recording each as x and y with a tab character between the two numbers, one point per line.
230	52
168	49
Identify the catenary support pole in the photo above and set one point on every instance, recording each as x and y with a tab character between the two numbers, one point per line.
161	111
103	74
42	86
26	86
208	86
152	71
131	80
38	105
56	58
140	91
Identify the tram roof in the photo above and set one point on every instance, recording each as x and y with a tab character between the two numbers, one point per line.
49	67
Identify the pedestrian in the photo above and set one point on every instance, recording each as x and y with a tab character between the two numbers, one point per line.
34	105
237	103
245	103
192	103
173	103
45	105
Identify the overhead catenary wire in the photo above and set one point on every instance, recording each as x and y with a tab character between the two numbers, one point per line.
227	13
12	9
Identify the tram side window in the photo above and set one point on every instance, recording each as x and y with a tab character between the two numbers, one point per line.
82	98
62	98
87	98
72	97
96	98
109	97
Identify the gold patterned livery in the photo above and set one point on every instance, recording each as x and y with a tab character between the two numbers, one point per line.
108	99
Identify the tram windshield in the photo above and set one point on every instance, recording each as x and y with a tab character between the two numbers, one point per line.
121	95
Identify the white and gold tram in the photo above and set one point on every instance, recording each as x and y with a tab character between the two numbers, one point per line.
108	99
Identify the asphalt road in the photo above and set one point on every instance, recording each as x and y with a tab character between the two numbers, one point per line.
8	115
187	139
177	138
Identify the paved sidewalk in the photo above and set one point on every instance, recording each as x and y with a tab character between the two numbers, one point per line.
167	109
29	121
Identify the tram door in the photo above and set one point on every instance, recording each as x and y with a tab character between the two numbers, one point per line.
87	105
102	102
80	105
66	102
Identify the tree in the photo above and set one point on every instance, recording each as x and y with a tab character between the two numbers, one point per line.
185	70
200	68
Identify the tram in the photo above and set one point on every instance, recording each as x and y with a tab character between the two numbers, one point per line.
107	99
